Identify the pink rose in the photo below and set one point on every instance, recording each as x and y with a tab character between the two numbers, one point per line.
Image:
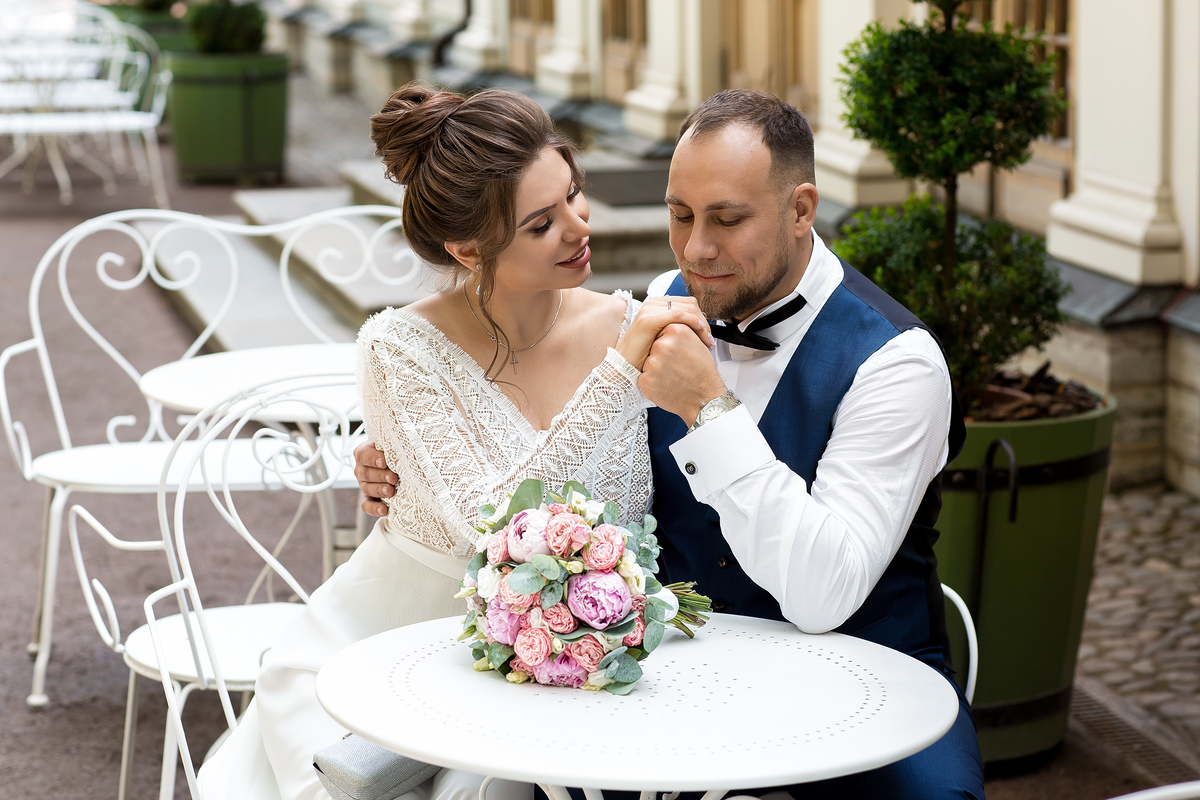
532	646
497	548
587	652
517	602
527	534
639	603
559	508
565	533
599	599
605	548
635	638
502	624
517	665
559	619
560	671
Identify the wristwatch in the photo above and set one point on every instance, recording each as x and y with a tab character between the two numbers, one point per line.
715	408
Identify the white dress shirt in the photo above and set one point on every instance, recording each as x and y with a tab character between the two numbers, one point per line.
820	553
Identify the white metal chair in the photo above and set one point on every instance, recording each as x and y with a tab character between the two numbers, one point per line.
145	239
1178	791
238	635
972	640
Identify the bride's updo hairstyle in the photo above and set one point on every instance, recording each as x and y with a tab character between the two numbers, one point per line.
460	160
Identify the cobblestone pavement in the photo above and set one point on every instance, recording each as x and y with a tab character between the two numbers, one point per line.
1141	636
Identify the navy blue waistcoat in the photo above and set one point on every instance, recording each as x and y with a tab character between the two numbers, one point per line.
905	610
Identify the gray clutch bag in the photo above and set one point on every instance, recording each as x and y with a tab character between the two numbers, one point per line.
356	769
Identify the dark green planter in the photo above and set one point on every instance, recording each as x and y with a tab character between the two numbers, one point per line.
168	32
1029	591
229	115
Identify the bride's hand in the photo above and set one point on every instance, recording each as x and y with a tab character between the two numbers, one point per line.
657	313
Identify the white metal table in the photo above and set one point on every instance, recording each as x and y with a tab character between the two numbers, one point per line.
789	708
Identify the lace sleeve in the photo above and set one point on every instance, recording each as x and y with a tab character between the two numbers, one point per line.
430	433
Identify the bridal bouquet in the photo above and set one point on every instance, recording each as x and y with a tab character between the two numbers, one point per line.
560	594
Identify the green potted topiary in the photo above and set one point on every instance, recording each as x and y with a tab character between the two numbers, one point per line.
160	19
228	100
1021	503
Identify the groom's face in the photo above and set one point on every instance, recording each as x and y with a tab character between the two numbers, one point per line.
733	228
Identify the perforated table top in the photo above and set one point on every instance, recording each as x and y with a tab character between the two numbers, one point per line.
747	703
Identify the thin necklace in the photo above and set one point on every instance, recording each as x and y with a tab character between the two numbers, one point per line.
511	352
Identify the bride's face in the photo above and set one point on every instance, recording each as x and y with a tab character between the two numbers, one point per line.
550	248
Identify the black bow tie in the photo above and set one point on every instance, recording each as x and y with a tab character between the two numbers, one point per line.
751	337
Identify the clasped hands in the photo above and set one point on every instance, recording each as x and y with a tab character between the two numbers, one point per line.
668	341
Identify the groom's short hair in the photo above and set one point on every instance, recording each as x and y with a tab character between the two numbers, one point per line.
784	129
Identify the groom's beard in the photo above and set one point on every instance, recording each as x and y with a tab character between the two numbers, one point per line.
749	295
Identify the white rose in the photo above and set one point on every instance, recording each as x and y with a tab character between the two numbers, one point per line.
631	571
489	582
597	680
536	620
592	511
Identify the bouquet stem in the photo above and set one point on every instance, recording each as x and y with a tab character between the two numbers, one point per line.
694	608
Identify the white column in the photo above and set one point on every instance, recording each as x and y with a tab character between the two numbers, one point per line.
1121	220
566	71
1185	133
482	46
849	170
656	107
409	20
702	38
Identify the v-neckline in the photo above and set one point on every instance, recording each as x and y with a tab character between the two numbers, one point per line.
477	372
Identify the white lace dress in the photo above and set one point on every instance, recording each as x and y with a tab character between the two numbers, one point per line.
456	441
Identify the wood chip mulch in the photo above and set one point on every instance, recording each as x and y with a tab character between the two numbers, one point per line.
1012	396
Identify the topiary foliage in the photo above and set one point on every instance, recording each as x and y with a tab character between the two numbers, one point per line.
1003	298
940	98
221	26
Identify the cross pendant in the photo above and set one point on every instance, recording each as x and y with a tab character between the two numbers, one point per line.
514	363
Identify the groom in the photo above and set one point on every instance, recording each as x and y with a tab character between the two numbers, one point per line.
795	463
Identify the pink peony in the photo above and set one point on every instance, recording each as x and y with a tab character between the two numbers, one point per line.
560	671
635	638
502	624
605	548
559	619
519	603
527	534
565	533
497	548
587	652
532	646
598	599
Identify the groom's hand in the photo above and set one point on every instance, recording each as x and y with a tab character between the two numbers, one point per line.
374	478
680	375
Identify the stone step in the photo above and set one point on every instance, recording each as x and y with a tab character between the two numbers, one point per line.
259	314
629	243
352	301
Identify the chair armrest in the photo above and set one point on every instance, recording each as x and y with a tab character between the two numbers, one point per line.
14	432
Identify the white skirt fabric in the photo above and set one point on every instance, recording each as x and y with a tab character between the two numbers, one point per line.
390	581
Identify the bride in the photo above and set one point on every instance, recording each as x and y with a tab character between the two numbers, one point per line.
515	372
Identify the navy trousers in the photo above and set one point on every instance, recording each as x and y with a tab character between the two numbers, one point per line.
950	768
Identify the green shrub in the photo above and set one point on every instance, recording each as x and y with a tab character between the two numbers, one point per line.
1003	298
939	99
221	26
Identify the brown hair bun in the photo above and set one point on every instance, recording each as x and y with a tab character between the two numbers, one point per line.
409	125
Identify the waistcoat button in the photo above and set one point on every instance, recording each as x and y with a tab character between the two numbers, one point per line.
722	562
689	468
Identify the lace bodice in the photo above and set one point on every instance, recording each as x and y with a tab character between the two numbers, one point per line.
456	441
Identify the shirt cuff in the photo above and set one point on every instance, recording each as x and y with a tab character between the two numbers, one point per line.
722	451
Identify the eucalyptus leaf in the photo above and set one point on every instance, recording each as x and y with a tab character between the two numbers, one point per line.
498	653
653	586
619	688
637	653
627	669
612	512
548	566
551	593
610	657
526	579
575	635
649	524
576	486
623	628
654	612
478	650
485	512
469	622
653	636
528	495
475	564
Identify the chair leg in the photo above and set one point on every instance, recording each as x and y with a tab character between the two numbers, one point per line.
20	153
34	640
157	181
94	164
166	786
129	741
65	194
31	164
37	696
116	151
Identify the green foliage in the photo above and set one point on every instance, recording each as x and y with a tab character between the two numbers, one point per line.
222	26
939	102
1003	297
526	579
